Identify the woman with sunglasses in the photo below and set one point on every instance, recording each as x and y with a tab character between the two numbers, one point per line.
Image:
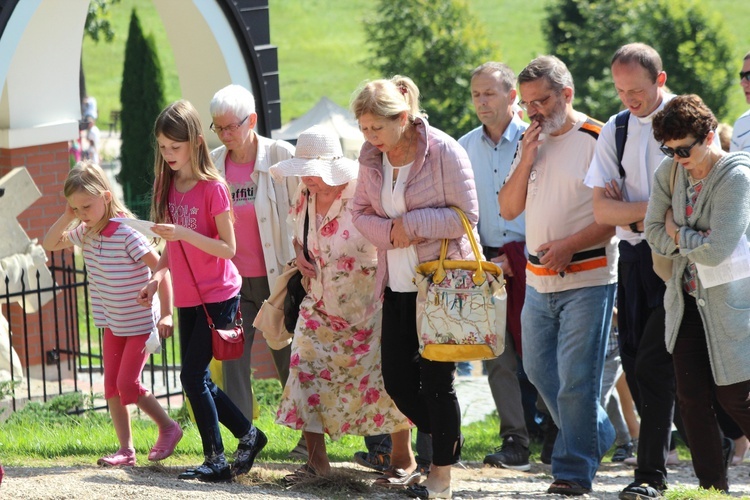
699	216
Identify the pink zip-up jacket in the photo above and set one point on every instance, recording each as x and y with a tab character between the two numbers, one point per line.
441	177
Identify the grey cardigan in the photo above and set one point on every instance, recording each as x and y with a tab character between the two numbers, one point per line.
723	206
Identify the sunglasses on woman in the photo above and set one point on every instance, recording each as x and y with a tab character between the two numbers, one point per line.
681	151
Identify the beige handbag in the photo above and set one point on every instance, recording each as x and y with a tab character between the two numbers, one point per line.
663	265
461	306
270	317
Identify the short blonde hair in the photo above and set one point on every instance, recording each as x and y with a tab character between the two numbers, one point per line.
388	98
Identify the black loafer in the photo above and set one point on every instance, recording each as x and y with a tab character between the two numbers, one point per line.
244	457
208	473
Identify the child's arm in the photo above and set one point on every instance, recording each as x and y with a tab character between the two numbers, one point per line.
159	274
223	248
166	324
57	236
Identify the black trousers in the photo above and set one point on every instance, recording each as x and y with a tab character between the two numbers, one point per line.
647	364
422	389
697	394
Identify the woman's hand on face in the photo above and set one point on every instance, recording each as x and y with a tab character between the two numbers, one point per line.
304	266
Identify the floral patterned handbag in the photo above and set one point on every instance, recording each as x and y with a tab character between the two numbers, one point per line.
461	306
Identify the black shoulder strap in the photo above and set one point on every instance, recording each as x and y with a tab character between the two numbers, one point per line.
621	135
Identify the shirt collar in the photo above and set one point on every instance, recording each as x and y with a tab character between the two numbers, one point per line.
510	133
110	228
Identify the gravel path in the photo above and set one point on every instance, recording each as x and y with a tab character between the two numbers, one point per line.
474	481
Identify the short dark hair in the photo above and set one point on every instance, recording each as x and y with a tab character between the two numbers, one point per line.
642	54
683	116
507	77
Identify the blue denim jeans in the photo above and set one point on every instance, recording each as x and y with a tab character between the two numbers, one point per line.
209	403
564	346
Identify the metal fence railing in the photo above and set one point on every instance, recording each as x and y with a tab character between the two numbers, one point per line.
59	346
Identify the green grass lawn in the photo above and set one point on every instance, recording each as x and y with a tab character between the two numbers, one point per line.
321	47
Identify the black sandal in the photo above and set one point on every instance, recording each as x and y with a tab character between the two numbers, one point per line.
567	488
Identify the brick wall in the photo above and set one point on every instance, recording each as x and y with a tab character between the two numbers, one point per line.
48	166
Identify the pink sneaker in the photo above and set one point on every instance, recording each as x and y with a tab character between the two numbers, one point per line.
166	443
119	458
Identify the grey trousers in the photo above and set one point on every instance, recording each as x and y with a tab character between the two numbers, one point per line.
506	391
237	384
611	401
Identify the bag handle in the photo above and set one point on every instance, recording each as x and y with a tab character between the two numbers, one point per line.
478	276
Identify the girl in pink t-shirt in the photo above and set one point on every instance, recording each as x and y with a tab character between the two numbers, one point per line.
193	213
118	260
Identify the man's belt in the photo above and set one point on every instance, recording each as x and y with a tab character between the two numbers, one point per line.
581	261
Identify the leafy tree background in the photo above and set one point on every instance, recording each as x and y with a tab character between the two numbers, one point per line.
437	43
694	44
142	99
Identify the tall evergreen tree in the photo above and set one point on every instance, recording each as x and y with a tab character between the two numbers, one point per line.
142	99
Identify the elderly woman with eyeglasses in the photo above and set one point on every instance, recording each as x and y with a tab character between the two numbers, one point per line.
699	216
261	205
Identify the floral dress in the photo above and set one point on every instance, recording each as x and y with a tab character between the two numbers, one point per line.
335	383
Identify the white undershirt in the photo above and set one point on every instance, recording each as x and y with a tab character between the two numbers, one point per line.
401	261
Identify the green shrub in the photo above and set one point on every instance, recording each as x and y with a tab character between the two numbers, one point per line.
58	411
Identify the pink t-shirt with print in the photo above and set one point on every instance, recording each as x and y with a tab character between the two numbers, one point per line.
249	257
217	278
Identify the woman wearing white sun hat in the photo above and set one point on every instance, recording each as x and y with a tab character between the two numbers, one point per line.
335	385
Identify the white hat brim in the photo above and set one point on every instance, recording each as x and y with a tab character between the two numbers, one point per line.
334	172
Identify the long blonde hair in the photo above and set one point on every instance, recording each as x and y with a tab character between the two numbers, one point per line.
89	177
179	122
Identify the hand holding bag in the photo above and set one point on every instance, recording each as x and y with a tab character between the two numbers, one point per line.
461	306
663	265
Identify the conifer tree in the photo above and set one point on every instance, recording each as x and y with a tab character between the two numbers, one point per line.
142	99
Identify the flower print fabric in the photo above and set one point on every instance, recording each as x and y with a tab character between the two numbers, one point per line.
335	381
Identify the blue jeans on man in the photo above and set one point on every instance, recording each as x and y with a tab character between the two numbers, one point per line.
564	345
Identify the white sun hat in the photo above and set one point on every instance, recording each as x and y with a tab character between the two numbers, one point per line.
318	154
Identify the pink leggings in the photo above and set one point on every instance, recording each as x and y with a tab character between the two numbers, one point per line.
124	359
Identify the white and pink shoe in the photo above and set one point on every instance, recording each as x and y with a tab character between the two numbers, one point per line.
121	458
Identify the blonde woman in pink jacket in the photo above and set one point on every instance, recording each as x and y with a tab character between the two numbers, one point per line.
409	176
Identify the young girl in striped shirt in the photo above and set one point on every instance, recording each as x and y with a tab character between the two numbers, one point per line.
119	261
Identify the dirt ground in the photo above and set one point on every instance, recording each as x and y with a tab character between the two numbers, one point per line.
469	482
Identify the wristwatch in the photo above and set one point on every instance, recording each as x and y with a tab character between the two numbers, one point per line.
634	227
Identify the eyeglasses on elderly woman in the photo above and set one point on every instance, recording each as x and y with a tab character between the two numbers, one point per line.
229	128
681	151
